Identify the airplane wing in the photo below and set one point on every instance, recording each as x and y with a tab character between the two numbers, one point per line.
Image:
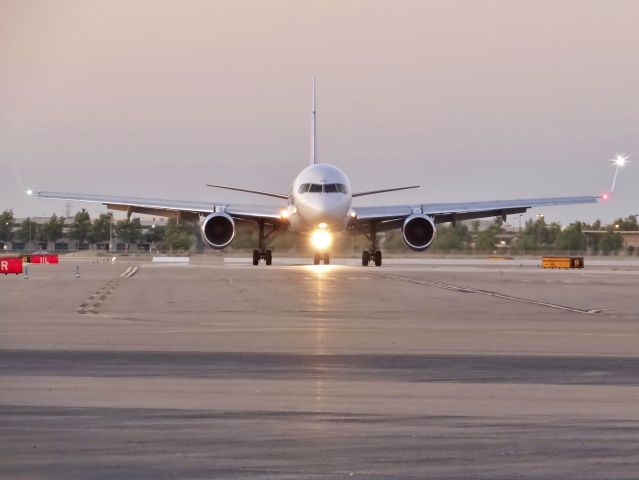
390	216
190	210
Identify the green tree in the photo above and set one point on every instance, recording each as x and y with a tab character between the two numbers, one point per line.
487	239
80	228
628	224
537	234
101	228
571	238
53	229
7	222
245	237
178	237
526	243
393	242
451	237
155	234
610	242
23	233
284	240
552	232
129	231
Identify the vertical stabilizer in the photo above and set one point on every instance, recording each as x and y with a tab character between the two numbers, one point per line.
313	130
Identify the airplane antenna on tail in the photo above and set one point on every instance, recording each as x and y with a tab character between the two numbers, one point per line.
313	130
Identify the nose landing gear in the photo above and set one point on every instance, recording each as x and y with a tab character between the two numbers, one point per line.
319	256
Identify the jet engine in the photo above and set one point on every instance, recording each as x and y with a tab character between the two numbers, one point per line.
218	230
418	232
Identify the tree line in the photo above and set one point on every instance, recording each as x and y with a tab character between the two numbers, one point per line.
172	236
537	235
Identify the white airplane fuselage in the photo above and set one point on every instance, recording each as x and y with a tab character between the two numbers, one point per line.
321	198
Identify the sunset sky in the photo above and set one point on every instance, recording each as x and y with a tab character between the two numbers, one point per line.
474	100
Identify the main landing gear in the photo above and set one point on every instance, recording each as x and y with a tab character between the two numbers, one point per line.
265	255
372	254
375	256
261	253
319	256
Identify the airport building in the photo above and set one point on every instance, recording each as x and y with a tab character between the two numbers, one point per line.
630	238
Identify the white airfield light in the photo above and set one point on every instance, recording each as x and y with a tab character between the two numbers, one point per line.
618	162
29	191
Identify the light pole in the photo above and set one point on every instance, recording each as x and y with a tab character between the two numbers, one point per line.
539	216
111	232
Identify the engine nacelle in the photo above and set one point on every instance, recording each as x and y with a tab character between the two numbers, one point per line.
418	232
218	230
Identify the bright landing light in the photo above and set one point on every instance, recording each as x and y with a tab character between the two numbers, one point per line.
321	239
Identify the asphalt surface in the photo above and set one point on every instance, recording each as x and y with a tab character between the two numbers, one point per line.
419	369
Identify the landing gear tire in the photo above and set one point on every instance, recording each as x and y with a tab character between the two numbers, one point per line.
267	255
261	253
327	258
374	256
316	258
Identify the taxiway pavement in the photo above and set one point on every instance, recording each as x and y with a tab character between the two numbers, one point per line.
441	369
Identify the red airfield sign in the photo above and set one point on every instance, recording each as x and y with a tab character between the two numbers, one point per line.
10	265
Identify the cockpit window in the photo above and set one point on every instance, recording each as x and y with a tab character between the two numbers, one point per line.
326	188
335	188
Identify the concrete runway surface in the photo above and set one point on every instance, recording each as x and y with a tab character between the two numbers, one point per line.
419	369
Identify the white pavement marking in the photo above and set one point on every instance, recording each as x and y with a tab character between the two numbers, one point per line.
126	272
129	272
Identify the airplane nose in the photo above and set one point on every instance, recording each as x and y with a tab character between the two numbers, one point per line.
325	208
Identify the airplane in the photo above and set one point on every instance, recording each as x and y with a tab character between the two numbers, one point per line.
319	206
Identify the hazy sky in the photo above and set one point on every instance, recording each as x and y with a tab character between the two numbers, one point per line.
471	99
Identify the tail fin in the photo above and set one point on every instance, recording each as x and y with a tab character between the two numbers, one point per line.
313	130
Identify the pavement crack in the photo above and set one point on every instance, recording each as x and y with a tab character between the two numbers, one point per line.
503	296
